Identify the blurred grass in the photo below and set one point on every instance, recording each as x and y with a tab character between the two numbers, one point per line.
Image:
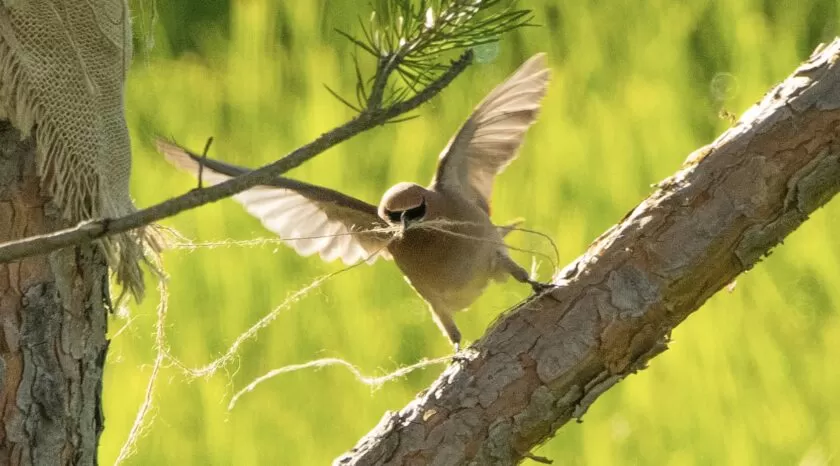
636	86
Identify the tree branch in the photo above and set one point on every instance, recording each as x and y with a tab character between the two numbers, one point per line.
99	228
613	310
55	321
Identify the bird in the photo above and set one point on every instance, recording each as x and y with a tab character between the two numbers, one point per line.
441	236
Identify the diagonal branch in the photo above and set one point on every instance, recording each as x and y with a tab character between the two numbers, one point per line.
100	228
547	361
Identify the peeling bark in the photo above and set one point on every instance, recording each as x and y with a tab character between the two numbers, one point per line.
53	320
614	307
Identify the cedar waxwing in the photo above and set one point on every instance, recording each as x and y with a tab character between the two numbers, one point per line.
446	245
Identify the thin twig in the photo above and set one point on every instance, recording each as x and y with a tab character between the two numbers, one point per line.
99	228
203	161
408	38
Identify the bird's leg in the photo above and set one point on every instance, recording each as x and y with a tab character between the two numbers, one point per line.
446	323
521	275
540	287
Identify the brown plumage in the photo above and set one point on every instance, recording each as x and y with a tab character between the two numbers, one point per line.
447	247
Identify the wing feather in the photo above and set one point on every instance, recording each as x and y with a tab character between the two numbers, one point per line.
311	219
489	140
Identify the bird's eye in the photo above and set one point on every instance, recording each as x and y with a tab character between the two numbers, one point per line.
394	217
413	214
416	213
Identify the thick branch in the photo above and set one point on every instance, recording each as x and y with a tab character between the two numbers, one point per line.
54	321
614	308
99	228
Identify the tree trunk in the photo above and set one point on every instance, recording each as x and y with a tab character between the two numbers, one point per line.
53	318
614	308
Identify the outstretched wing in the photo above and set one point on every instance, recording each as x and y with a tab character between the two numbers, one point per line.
490	138
309	218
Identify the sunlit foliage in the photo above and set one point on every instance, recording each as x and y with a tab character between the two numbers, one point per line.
636	87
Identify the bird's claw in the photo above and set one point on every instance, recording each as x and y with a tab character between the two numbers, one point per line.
543	289
539	287
460	358
463	356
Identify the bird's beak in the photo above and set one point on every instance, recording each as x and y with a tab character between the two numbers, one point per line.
404	220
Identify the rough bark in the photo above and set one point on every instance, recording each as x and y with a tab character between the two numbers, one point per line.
53	320
614	307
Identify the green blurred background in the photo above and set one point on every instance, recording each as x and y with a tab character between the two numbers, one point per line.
749	379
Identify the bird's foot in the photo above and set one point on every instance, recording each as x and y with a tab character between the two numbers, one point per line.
539	287
542	289
463	356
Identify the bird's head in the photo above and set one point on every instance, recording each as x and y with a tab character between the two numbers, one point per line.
403	204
